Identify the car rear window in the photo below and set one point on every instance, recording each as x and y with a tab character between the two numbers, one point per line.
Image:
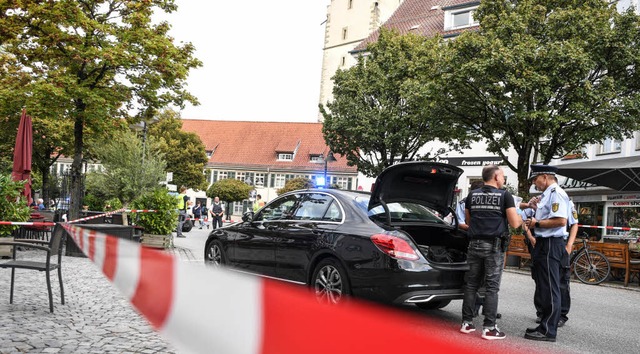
400	212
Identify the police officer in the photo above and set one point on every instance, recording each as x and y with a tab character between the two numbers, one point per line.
487	210
460	208
550	224
565	275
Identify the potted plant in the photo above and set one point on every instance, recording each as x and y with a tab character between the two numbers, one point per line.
13	207
157	225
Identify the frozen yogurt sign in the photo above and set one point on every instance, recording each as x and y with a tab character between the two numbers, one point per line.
472	161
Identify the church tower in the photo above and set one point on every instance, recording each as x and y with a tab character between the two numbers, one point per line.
348	23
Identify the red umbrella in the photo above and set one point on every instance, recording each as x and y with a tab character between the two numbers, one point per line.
22	154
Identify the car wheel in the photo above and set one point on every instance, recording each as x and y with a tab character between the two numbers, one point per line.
433	305
215	255
187	226
330	282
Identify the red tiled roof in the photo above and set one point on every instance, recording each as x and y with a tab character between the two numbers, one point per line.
424	17
255	144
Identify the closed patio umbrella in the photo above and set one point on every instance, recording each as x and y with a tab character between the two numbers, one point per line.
22	154
621	174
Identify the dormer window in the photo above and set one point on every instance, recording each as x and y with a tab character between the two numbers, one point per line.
316	159
459	18
285	157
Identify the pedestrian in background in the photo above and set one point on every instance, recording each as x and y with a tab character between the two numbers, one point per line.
197	213
258	204
217	211
550	225
182	210
489	211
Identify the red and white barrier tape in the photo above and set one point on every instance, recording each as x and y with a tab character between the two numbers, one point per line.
140	211
204	310
28	223
610	227
96	216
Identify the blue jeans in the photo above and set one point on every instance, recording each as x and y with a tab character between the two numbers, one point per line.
486	262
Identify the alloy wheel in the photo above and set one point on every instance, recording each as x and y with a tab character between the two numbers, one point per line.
328	285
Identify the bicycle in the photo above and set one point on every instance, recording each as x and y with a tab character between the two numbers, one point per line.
590	267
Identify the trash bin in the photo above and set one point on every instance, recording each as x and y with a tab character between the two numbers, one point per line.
120	231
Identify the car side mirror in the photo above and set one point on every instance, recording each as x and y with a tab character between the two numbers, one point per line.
248	216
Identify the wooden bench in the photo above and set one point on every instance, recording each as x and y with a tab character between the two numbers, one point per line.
517	247
617	254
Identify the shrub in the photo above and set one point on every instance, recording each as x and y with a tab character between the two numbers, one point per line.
13	206
165	217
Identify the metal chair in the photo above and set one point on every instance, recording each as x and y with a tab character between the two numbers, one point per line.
52	247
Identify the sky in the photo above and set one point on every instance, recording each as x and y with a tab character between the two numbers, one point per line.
262	60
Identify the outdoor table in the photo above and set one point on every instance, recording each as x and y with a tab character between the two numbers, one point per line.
120	231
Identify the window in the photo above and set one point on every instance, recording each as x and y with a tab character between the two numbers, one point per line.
280	180
344	33
285	157
333	213
610	146
241	176
342	182
238	207
259	179
460	18
316	159
637	140
222	175
280	209
313	207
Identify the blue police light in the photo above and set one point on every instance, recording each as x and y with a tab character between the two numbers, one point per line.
320	182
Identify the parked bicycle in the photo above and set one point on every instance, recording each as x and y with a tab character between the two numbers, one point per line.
590	267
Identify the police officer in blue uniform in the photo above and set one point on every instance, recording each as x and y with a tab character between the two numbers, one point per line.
488	210
550	224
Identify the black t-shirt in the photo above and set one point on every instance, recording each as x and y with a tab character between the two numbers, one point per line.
488	209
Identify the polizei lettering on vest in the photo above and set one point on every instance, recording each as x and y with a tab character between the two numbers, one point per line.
486	201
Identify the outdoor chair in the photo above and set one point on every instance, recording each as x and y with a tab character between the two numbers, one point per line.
52	247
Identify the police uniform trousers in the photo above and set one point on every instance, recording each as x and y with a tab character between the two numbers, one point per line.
548	256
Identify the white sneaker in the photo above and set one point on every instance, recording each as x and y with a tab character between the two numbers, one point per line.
467	327
493	333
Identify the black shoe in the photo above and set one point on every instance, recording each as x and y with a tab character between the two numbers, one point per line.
181	236
561	323
539	336
498	315
531	330
538	319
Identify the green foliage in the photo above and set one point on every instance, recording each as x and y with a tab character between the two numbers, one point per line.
543	78
85	64
112	204
127	173
93	202
229	190
184	152
164	220
13	206
382	112
295	184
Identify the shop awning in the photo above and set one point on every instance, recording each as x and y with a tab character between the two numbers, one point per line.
621	174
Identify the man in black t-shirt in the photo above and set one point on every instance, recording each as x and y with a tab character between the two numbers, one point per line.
489	211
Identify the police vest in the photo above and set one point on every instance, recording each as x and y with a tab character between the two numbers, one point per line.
488	212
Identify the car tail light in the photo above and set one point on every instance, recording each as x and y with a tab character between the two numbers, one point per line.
394	247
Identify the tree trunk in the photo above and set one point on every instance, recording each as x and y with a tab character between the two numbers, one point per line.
77	187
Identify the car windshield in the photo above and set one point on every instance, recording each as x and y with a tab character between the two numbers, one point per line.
400	211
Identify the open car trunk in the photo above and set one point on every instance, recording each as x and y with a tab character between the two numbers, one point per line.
444	247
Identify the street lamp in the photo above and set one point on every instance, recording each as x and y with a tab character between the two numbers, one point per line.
327	159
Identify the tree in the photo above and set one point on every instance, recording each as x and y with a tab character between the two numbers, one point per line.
184	152
95	61
126	175
544	78
229	190
295	184
382	110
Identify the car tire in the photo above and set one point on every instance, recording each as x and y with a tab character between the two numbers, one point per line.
214	254
187	226
433	305
330	282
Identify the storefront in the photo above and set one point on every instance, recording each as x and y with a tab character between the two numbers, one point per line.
597	206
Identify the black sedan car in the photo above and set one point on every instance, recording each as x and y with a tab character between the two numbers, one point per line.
391	245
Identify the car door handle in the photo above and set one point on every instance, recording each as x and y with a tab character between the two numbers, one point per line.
317	232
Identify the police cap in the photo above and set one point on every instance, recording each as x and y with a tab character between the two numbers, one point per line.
542	170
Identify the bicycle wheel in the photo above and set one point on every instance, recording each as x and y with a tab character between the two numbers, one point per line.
591	267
